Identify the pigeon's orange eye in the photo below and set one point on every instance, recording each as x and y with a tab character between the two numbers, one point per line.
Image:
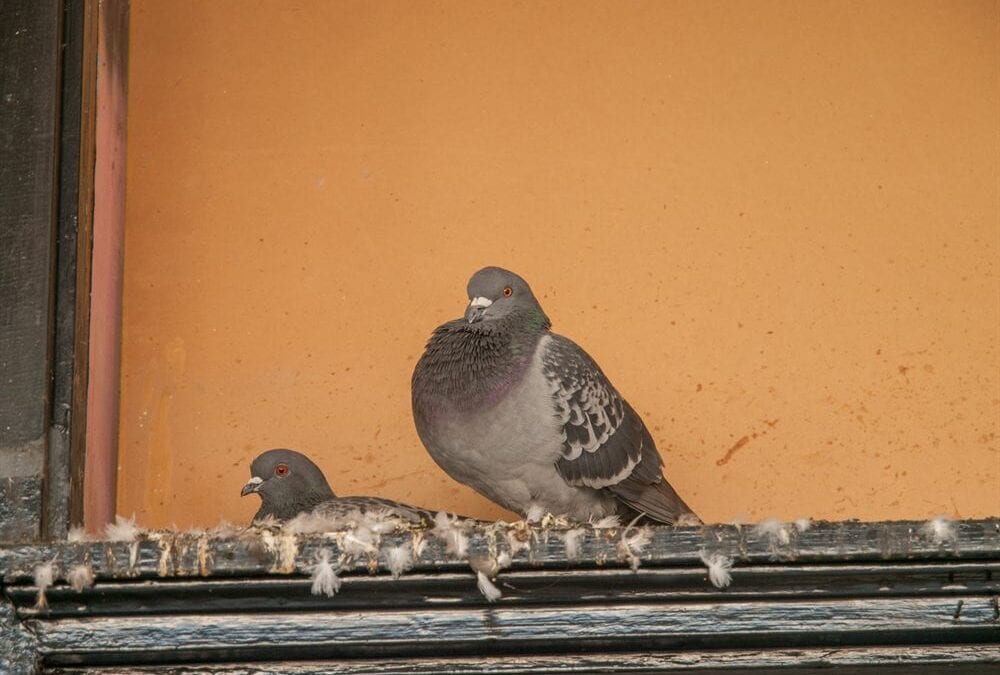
281	470
508	291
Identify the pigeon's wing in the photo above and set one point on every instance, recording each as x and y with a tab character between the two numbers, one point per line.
381	508
605	443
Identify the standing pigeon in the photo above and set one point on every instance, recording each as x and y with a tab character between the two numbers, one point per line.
527	418
289	484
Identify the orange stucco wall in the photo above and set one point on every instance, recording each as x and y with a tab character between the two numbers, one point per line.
774	224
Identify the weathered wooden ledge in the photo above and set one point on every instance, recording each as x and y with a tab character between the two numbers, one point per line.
913	593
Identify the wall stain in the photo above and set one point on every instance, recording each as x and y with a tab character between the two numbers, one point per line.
743	441
732	451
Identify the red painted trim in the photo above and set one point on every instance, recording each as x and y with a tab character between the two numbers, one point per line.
100	474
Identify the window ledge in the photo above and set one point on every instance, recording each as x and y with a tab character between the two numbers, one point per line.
836	594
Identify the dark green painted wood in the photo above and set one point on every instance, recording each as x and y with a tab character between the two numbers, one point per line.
503	629
172	598
18	646
953	659
59	495
168	554
20	501
29	95
552	588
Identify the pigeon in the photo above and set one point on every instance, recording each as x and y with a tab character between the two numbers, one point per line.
528	419
290	484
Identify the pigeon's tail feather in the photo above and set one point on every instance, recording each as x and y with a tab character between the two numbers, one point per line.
660	502
645	490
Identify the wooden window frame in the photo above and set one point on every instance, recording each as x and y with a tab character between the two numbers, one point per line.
902	596
62	190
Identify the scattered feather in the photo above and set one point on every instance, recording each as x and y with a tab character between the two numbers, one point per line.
383	521
419	544
803	524
519	539
133	554
504	560
556	521
449	529
268	522
630	546
77	534
606	523
123	529
44	575
360	541
399	559
484	564
687	520
283	547
572	541
719	568
224	529
740	519
80	577
324	577
165	542
487	588
775	530
311	523
940	530
205	557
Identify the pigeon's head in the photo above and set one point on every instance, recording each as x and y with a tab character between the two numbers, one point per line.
496	293
287	482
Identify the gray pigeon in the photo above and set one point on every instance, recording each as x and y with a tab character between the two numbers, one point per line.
290	484
526	418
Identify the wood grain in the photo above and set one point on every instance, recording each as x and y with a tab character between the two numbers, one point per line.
958	659
172	599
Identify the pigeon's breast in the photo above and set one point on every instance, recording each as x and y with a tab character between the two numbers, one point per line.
508	450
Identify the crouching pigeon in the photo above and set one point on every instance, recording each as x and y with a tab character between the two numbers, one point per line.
290	485
526	418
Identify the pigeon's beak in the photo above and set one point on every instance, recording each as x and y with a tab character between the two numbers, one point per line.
252	486
477	309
